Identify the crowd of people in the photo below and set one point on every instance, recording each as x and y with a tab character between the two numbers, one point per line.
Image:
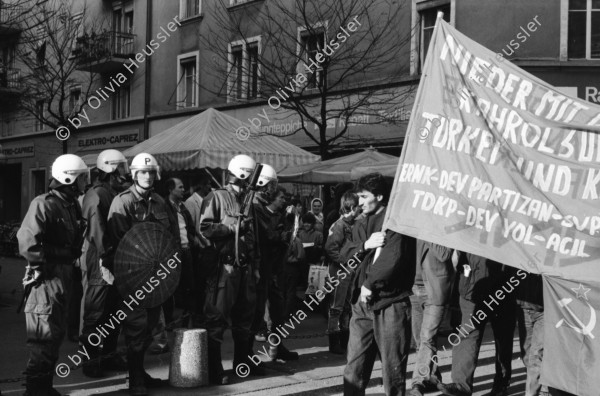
245	249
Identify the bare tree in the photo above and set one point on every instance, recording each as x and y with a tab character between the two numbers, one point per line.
53	86
330	62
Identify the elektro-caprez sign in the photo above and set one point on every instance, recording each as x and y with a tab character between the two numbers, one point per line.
18	151
121	139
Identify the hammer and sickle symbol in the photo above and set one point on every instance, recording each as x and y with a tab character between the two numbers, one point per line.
580	328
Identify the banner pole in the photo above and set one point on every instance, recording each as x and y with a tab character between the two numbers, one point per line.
440	16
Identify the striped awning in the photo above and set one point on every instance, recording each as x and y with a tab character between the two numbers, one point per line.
336	170
209	139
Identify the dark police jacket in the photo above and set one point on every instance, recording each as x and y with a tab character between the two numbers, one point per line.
96	205
220	210
52	230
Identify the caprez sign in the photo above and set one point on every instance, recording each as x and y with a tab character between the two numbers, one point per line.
18	150
112	140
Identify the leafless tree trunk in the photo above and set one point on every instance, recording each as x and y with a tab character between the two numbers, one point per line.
311	62
45	49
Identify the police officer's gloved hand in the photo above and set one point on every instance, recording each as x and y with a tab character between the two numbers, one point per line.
34	274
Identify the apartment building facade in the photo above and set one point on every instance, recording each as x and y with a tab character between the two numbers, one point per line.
151	61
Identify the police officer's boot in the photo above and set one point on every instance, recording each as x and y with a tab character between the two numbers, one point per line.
137	383
50	387
93	367
334	344
251	350
216	374
241	347
35	386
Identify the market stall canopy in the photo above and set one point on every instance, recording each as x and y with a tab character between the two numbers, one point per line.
209	139
336	170
386	168
90	159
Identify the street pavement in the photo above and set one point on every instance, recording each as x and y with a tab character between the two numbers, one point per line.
317	372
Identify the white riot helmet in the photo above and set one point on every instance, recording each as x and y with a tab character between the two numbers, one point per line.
109	160
241	166
67	168
144	161
267	175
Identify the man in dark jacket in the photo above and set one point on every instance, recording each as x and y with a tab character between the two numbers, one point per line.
191	288
434	263
340	308
272	246
380	302
485	288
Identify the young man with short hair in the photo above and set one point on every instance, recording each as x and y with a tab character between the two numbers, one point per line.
380	302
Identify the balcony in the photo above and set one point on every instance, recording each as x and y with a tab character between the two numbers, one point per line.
10	84
105	52
10	17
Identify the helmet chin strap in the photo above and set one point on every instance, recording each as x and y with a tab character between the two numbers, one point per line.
143	188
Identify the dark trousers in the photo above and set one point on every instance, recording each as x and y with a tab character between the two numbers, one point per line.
46	312
138	327
426	369
74	315
531	337
100	302
340	308
230	302
268	289
466	353
290	278
385	331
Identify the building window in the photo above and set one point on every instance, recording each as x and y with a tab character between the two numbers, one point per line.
187	86
237	72
427	19
39	115
584	29
189	8
244	69
39	183
74	99
252	70
310	46
121	103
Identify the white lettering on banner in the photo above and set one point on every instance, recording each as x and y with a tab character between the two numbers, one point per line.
500	164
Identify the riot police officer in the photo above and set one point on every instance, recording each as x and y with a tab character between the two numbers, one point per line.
137	204
101	297
232	270
50	239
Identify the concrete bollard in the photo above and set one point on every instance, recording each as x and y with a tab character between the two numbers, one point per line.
189	360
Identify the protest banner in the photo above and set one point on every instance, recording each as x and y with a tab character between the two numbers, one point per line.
500	164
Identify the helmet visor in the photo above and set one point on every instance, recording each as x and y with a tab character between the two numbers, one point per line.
81	176
122	168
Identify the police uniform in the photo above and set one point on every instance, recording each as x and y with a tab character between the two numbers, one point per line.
50	239
127	209
101	299
230	297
